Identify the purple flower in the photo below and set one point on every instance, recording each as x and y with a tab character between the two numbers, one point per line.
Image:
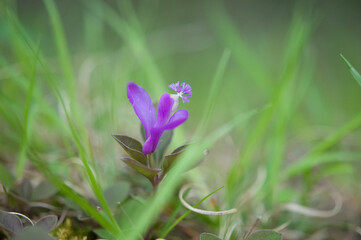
184	91
154	125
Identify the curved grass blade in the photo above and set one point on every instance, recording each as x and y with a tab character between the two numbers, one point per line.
165	232
167	187
20	166
84	155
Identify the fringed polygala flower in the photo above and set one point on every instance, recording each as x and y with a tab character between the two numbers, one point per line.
167	119
183	91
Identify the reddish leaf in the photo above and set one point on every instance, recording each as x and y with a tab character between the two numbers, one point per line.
147	172
170	159
10	222
47	223
132	147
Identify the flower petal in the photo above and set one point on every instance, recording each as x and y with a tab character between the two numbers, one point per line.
175	87
142	105
151	143
178	118
164	109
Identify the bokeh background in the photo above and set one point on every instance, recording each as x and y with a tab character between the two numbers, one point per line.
283	54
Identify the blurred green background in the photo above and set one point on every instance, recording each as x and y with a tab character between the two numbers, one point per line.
284	54
185	41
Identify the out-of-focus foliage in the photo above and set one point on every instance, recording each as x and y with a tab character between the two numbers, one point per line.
273	103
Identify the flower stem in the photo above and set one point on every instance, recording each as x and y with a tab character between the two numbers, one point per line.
150	160
156	181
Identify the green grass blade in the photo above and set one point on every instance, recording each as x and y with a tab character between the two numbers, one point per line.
134	39
290	102
337	136
308	163
353	71
213	95
67	70
6	178
84	156
24	143
229	34
188	159
308	160
299	33
165	233
64	57
102	219
326	144
174	215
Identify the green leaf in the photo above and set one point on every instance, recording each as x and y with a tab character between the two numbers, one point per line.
170	159
356	75
209	236
10	222
146	215
147	172
47	223
132	147
33	233
25	189
165	231
265	235
116	193
6	178
286	195
307	163
129	208
103	233
163	144
334	169
43	190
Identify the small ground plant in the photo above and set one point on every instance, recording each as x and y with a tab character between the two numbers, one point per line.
267	148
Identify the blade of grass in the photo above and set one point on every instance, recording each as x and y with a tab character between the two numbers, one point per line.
329	141
24	143
211	100
308	163
134	39
76	138
64	57
102	219
93	30
291	99
248	61
17	125
188	159
67	70
163	234
323	146
213	94
47	110
356	75
131	33
174	215
299	33
6	178
326	144
333	138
